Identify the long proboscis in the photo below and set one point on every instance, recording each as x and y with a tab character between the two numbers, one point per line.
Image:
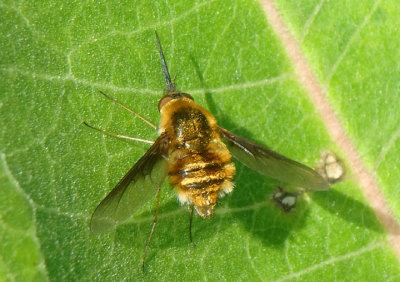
167	77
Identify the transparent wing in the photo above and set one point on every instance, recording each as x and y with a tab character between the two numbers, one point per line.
134	190
272	164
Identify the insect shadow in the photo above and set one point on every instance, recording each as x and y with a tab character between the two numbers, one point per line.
251	201
349	209
250	204
266	221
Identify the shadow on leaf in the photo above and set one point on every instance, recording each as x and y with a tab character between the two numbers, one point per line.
349	209
251	201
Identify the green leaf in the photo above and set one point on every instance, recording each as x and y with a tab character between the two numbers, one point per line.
355	55
56	56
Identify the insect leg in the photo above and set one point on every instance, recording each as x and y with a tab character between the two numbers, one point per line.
117	135
115	101
152	228
190	226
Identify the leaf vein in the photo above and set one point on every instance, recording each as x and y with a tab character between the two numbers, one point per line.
333	260
18	188
311	19
350	42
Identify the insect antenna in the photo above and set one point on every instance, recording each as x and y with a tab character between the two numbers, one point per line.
116	134
129	110
167	77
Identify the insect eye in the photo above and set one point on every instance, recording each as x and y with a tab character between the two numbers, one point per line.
163	101
172	96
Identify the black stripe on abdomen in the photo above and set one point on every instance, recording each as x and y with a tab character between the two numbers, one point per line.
196	168
196	184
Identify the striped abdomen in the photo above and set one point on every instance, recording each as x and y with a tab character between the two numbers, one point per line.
200	167
200	178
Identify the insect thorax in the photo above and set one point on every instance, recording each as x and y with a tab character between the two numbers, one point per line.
201	167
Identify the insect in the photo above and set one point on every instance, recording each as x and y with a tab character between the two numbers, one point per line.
196	154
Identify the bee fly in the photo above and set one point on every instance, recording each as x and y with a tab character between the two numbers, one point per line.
196	155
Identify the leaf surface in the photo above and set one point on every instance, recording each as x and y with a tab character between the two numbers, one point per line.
55	57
